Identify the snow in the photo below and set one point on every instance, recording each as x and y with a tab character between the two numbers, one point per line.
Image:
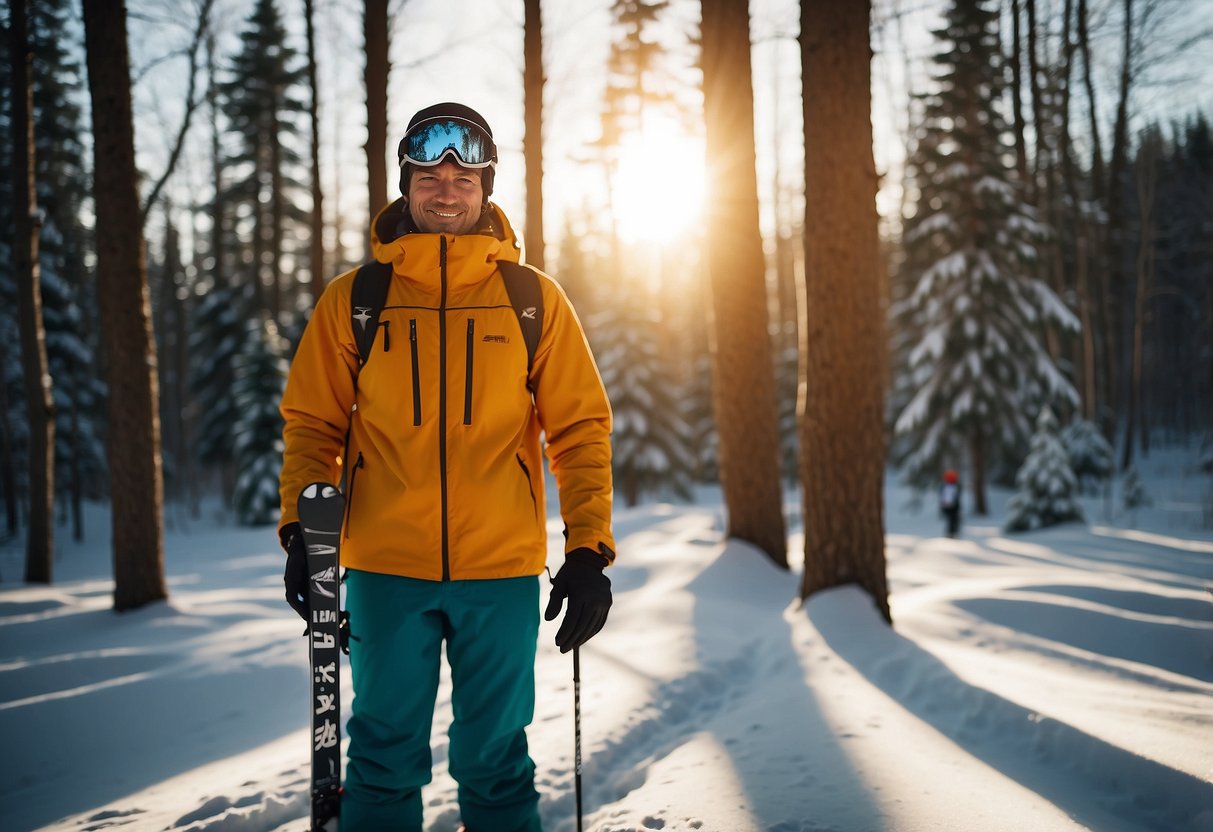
1056	680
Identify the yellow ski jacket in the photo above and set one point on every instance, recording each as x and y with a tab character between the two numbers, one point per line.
444	479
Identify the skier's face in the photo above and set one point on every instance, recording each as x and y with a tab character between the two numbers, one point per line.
446	198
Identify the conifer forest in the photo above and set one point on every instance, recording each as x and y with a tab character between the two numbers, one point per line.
812	244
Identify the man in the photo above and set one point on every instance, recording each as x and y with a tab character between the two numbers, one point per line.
445	533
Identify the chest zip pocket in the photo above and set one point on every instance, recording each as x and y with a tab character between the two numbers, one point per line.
467	388
416	372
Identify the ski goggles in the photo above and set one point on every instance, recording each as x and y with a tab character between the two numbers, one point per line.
430	142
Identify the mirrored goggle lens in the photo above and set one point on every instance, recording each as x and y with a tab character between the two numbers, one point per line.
430	142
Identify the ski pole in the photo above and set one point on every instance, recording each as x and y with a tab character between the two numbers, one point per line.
577	730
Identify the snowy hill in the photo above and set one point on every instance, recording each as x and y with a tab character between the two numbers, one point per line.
1058	680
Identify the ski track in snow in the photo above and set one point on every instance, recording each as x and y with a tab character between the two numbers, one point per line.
679	709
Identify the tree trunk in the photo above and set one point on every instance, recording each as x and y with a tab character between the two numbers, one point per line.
1084	346
1086	305
316	268
276	206
168	318
1147	179
8	467
376	31
27	227
1101	337
1044	173
76	486
532	140
260	222
218	273
1016	67
1207	328
744	386
843	345
133	443
1084	46
1115	290
1039	129
977	461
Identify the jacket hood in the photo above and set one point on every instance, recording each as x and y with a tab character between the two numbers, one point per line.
394	235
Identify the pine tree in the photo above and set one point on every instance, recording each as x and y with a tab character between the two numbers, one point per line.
978	302
1090	453
260	379
263	102
217	334
1047	486
650	439
1186	269
1133	491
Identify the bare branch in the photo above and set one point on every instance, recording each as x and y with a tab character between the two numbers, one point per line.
191	104
143	71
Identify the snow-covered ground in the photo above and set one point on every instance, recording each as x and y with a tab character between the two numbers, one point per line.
1057	680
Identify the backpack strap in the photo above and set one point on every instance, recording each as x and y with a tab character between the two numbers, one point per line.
522	285
367	298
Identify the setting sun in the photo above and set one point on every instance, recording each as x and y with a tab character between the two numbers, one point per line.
659	185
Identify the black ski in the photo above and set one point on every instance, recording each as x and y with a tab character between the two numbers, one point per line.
321	509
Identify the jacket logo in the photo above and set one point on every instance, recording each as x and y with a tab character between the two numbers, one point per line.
362	317
496	339
528	313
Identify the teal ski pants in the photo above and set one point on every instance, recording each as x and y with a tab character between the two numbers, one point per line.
397	627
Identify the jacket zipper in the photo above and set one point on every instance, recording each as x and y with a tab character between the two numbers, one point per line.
467	390
416	373
446	551
387	342
349	496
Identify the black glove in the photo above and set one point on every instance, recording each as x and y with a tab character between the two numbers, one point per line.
589	593
295	576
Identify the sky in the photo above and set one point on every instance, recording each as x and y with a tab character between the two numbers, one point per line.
1051	681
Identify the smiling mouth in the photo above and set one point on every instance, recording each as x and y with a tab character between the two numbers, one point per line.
446	215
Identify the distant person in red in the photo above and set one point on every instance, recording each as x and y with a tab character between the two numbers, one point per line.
949	501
